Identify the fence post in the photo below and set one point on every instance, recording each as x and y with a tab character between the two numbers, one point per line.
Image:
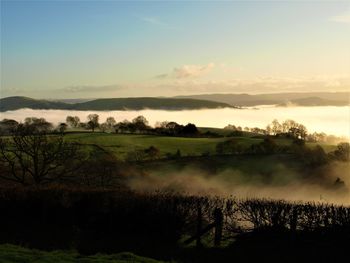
218	220
199	225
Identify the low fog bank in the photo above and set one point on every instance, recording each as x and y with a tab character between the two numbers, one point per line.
321	186
331	120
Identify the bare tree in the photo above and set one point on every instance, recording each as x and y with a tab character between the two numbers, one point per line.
29	157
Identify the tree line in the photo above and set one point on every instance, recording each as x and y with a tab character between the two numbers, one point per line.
288	128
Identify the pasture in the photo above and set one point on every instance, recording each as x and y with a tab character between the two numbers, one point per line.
121	144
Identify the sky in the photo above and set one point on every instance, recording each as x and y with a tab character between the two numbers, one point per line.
95	49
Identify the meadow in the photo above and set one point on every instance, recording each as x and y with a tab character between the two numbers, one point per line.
121	144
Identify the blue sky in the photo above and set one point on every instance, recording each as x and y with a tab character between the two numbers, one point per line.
86	49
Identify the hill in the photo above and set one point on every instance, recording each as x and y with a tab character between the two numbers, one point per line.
315	101
148	103
15	103
302	99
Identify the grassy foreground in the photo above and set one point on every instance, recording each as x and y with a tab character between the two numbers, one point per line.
14	254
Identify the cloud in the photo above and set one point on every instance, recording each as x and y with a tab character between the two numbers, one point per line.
188	71
253	85
342	18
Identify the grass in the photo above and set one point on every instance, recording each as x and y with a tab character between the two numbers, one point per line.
17	254
121	144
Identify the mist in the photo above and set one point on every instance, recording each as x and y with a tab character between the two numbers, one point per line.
284	183
331	120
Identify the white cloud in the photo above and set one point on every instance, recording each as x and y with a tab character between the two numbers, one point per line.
342	18
188	71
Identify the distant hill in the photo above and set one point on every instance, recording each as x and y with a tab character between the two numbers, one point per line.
17	102
14	103
302	99
315	101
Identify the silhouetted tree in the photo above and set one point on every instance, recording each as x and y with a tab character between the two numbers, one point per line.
7	126
276	127
190	130
342	152
32	157
110	121
104	127
123	127
73	121
62	127
38	124
93	121
140	123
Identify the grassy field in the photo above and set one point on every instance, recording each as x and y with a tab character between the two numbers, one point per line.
16	254
121	144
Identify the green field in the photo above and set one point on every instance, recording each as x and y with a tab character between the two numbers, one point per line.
16	254
121	144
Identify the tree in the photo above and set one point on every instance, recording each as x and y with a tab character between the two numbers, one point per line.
141	123
110	122
32	157
92	121
173	128
342	152
298	132
104	127
190	130
276	127
123	127
7	126
288	124
62	127
268	129
38	124
73	121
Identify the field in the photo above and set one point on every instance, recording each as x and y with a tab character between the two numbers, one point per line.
121	144
16	254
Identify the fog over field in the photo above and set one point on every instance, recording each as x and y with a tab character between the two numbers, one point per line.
331	120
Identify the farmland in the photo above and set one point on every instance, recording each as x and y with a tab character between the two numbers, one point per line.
121	144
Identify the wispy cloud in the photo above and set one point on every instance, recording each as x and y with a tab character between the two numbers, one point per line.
342	18
188	71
